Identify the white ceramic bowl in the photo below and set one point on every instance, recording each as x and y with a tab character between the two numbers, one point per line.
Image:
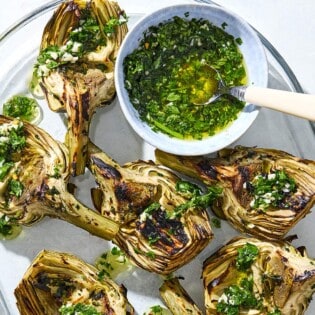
256	67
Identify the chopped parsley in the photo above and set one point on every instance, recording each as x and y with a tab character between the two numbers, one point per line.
271	190
216	222
111	25
191	191
15	188
5	166
12	140
246	255
237	297
78	309
85	38
187	187
164	73
198	200
150	254
56	173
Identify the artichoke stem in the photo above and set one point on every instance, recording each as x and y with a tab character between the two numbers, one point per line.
88	219
176	163
177	299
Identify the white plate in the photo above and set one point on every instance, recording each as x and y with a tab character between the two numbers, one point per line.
18	49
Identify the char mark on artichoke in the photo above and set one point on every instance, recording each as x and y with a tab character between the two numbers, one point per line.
35	184
142	197
251	276
265	191
57	281
75	66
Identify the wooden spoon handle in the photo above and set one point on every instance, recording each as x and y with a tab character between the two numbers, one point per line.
297	104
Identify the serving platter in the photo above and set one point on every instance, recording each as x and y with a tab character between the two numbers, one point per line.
18	49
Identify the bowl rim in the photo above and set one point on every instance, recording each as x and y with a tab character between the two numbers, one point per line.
158	139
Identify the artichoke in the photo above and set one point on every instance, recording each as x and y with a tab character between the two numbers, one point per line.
162	226
177	299
60	283
265	191
33	180
251	276
75	66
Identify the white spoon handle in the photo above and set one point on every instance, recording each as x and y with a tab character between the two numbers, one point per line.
297	104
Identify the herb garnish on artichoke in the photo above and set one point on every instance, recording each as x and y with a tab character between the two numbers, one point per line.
265	191
34	177
163	221
75	66
277	279
60	283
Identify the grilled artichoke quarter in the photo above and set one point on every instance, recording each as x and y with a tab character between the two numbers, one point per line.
60	283
251	276
75	66
162	227
33	180
265	191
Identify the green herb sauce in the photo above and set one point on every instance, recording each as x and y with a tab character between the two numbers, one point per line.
215	222
241	296
12	140
246	255
112	263
198	199
271	190
157	310
8	228
78	309
15	188
23	107
237	297
86	37
163	77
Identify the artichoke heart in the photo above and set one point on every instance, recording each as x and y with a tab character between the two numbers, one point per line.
34	183
75	66
59	281
265	191
142	198
277	279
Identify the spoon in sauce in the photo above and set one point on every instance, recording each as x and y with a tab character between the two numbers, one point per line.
297	104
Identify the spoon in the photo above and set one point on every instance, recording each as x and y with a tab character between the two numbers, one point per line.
297	104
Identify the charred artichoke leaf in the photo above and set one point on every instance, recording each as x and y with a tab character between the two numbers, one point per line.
36	183
177	299
60	281
265	191
75	66
279	279
143	198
